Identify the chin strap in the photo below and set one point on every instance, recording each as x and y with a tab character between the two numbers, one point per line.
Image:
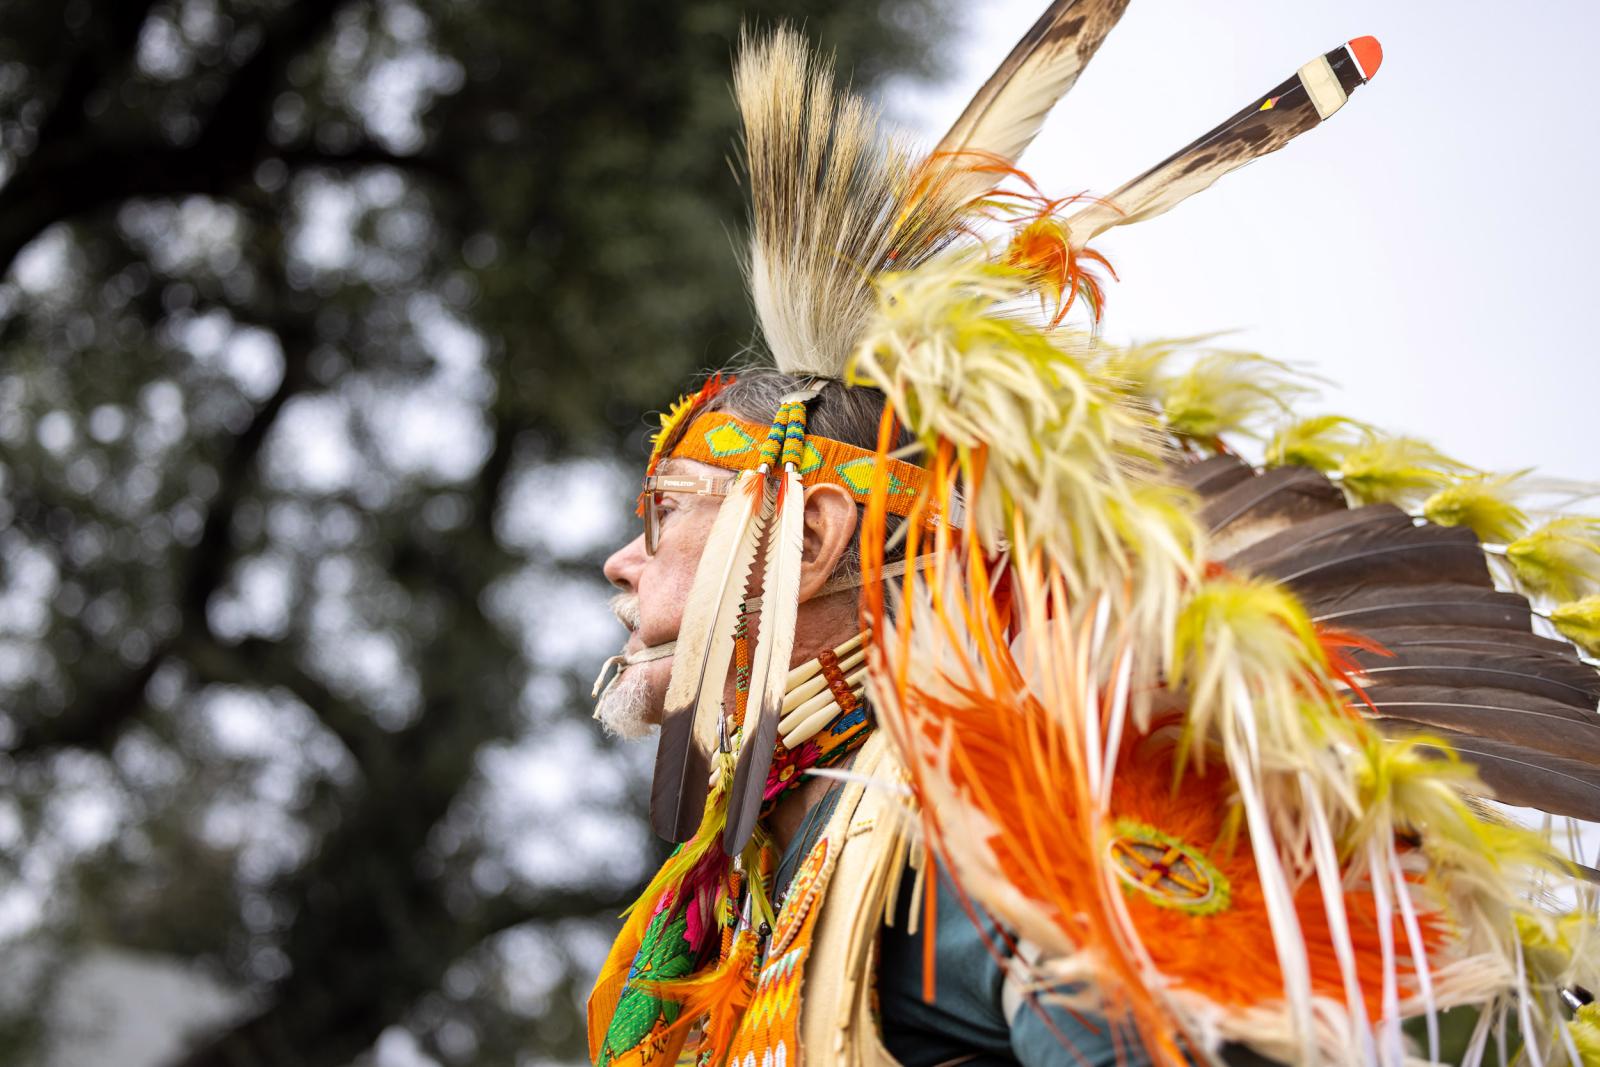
622	662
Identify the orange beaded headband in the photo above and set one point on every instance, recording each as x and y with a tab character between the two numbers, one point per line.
736	444
732	443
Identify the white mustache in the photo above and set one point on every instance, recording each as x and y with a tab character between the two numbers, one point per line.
625	606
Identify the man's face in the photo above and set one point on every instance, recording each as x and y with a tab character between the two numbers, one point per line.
660	587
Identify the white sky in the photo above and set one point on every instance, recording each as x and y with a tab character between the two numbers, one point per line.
1428	248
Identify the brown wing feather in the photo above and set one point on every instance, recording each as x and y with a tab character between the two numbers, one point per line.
1210	477
1262	127
1257	508
1005	115
1521	776
1368	607
1465	665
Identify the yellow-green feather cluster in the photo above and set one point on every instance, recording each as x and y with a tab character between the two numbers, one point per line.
1321	442
1560	558
1485	504
1579	622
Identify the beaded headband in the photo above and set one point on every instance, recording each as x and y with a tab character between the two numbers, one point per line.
736	444
727	441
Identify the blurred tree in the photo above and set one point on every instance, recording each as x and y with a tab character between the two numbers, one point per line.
322	325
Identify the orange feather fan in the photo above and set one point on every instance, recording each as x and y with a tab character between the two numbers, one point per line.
1071	843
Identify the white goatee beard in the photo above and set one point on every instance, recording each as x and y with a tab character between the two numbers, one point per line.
623	709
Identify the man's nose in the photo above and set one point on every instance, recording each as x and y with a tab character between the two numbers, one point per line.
622	569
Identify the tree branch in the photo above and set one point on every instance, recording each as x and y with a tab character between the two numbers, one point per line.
96	719
77	170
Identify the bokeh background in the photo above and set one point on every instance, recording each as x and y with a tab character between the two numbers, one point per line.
327	333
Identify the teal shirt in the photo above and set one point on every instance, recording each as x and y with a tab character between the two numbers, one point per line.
966	1022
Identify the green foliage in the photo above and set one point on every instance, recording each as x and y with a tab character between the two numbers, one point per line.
325	331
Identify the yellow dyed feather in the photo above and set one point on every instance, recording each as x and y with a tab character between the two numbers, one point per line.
1242	636
1585	1031
1135	369
682	861
1397	470
719	996
1321	443
1579	622
1060	447
1485	504
1560	558
1228	392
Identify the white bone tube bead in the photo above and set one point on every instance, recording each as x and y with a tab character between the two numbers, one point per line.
810	688
812	667
813	725
809	708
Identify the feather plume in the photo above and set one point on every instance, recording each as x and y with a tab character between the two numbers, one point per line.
689	718
1241	635
719	996
1579	622
1137	368
829	204
1484	504
1321	443
780	599
1225	391
1263	126
1561	558
964	371
1005	115
1396	470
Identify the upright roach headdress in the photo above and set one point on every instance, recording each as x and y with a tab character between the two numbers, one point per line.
1211	735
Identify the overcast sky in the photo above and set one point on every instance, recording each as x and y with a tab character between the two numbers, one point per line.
1430	248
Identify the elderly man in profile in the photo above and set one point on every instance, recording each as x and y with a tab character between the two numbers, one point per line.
978	1013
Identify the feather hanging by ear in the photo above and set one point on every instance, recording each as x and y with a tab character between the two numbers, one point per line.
1301	102
689	717
1005	115
780	600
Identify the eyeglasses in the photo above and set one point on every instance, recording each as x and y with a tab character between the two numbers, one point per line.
658	484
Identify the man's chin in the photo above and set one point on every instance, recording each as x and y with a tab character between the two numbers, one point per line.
631	708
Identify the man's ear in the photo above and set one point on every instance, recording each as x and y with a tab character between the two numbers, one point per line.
830	527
